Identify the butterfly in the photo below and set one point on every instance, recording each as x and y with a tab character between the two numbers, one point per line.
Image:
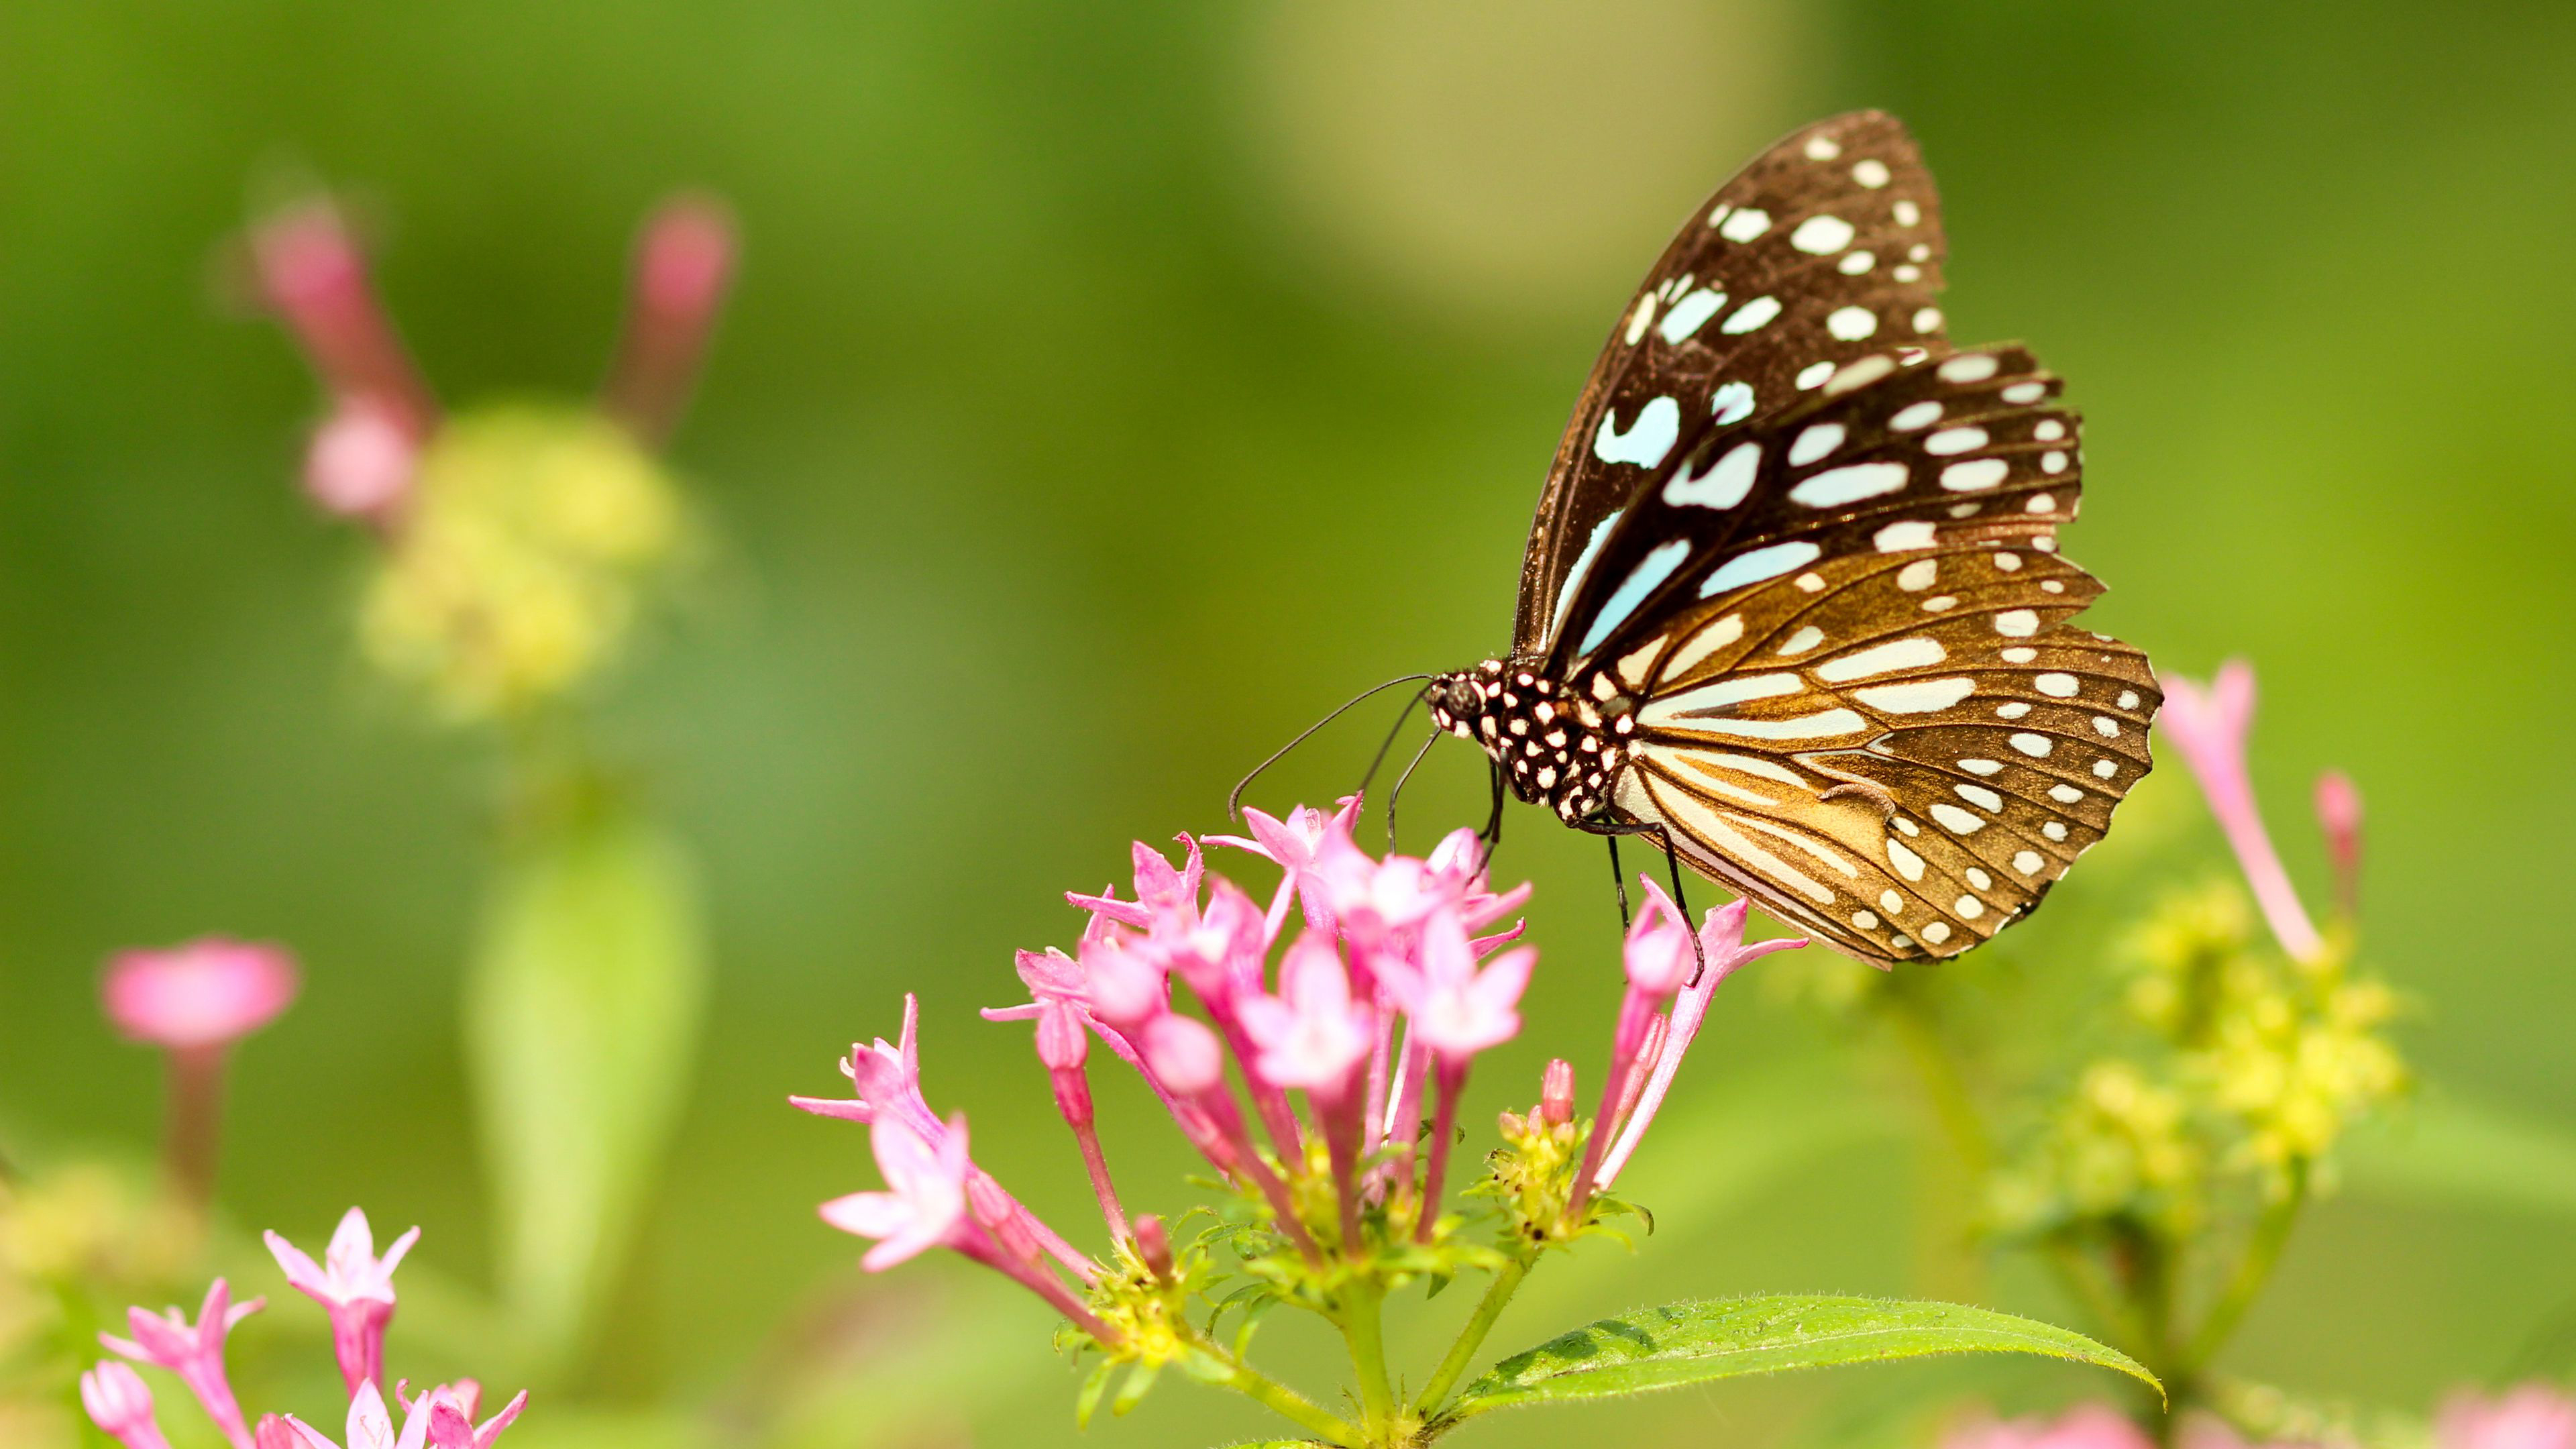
1793	608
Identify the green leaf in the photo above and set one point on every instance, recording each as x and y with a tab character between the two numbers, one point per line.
1131	1392
1690	1343
581	1013
1087	1402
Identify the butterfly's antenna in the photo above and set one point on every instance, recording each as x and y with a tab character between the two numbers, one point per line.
1398	792
1410	704
1234	798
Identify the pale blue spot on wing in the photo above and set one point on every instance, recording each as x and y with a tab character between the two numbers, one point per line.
1647	440
1648	576
1582	566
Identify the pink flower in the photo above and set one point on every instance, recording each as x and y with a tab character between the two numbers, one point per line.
206	993
2534	1416
1166	901
195	1354
2209	725
370	1426
1294	845
2086	1426
1457	863
355	1287
683	262
1456	1010
924	1204
1312	1035
314	275
1657	953
1723	947
1124	981
887	1081
121	1406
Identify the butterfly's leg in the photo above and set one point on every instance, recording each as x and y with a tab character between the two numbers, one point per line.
1492	834
1618	882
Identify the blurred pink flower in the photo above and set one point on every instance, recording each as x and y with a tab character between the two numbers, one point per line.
360	462
2209	726
924	1204
195	1353
355	1287
2534	1416
2339	813
313	274
1312	1035
2086	1426
683	262
205	993
1723	948
121	1406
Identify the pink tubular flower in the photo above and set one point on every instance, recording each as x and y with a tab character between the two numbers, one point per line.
206	993
886	1079
121	1406
370	1426
2086	1426
2209	725
355	1287
195	1353
682	265
1312	1035
1723	947
313	274
2534	1416
1457	1010
924	1204
1293	845
451	1416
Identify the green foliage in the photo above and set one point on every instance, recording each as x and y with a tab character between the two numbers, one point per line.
1690	1343
582	1010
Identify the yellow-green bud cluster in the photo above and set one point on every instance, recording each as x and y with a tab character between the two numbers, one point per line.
2260	1064
519	568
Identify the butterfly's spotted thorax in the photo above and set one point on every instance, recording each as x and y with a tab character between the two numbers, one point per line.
1793	604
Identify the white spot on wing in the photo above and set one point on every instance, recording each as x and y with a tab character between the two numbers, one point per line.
1644	315
1969	367
1821	236
1954	440
1836	486
1918	653
1956	820
1699	646
2056	686
1916	696
1871	173
1915	415
1815	442
1745	225
2017	623
1813	375
1898	537
1751	315
2035	746
1802	641
1907	863
1851	324
1730	404
1974	474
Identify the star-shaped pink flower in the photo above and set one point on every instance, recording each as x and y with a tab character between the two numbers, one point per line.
924	1203
355	1287
195	1353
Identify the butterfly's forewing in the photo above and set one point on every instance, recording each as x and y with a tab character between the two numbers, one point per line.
1827	248
1862	703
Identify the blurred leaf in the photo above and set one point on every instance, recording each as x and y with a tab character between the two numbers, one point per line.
581	1014
2451	1151
1689	1343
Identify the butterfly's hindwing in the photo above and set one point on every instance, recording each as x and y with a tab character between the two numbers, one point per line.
1827	248
1860	700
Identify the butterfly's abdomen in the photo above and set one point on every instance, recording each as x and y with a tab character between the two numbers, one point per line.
1559	747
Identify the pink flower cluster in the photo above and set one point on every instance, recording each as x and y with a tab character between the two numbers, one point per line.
356	1288
1395	978
2533	1416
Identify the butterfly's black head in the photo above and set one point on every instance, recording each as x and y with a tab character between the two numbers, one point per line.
1559	748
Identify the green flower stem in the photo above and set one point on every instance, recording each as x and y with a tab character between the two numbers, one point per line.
1507	1281
1280	1399
1361	1328
2262	1255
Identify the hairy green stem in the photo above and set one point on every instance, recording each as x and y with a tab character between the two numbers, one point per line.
2262	1255
1361	1329
1507	1281
1280	1399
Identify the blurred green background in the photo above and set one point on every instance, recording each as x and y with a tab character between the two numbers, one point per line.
1111	389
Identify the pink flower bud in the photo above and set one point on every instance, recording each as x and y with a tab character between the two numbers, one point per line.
121	1406
1125	984
682	264
203	994
1556	1093
1185	1055
1154	1246
275	1433
361	461
999	1215
1063	1042
2339	812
